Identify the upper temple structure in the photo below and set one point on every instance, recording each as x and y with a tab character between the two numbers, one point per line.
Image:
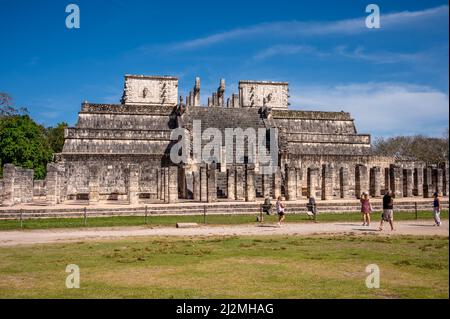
122	151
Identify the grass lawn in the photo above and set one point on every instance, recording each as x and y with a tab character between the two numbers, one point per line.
210	219
230	267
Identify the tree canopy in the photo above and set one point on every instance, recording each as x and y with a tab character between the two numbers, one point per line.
25	143
431	150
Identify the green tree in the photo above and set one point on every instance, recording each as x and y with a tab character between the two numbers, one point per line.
23	143
431	150
55	137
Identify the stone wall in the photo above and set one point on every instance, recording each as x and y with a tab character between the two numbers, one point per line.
258	93
17	185
150	90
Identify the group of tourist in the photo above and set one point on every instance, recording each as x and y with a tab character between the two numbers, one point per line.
366	209
388	210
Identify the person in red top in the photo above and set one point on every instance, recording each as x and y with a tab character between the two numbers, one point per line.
366	209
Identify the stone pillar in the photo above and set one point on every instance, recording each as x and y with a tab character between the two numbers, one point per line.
437	179
240	176
166	185
445	177
408	182
327	181
52	183
396	180
172	184
375	181
183	180
212	183
250	191
343	181
158	184
196	186
231	182
387	179
276	183
203	183
266	189
133	185
27	186
313	175
291	183
9	175
298	172
418	181
427	182
361	180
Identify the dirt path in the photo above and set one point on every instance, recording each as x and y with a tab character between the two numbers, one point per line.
28	237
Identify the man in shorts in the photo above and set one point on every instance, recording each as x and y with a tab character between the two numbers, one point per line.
388	211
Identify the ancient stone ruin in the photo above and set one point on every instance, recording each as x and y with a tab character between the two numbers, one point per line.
121	152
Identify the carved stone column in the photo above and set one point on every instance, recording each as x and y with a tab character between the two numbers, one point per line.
250	192
327	181
408	182
375	181
231	179
438	180
196	185
266	185
428	182
240	176
9	175
361	180
276	183
313	175
418	181
172	184
396	180
343	181
133	184
212	183
203	183
291	183
445	178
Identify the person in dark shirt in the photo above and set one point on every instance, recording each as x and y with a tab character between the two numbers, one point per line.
437	209
388	210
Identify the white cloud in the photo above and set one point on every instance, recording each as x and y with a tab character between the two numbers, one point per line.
383	109
389	21
358	53
289	49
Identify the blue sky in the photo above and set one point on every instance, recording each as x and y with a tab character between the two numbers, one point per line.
394	80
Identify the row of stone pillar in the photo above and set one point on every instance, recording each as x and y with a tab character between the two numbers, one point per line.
166	188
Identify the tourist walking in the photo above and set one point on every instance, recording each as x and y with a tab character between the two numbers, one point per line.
280	210
388	210
366	208
437	209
